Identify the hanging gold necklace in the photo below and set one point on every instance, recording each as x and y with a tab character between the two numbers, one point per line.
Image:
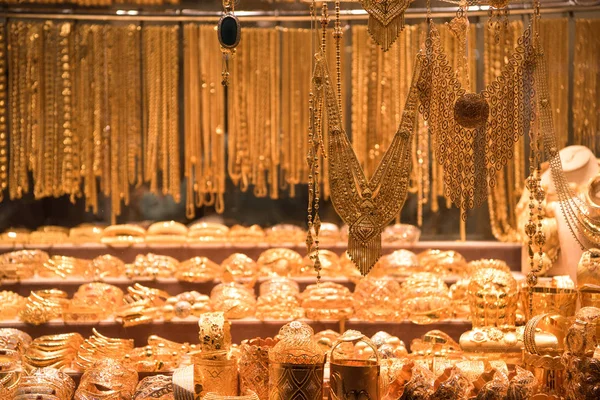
365	205
386	20
475	132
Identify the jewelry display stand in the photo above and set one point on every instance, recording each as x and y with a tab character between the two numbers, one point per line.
579	165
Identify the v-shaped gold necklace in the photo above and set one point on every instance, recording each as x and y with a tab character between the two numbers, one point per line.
474	133
367	206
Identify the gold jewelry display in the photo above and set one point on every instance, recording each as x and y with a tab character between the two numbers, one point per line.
366	206
386	20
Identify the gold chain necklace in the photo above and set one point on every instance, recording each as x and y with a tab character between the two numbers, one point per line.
586	121
3	114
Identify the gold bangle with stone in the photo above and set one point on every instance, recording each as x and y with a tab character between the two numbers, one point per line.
185	304
152	266
588	269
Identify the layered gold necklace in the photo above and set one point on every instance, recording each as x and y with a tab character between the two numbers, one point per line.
365	205
474	133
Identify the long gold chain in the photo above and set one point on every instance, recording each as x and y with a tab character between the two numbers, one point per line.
586	95
3	114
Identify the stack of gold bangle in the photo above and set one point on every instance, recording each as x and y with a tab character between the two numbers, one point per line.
280	261
330	264
123	235
45	384
426	298
159	355
166	232
98	347
86	234
10	372
235	300
279	300
43	305
106	266
21	264
443	262
107	379
12	304
141	305
63	267
239	265
49	235
93	302
152	266
53	351
378	299
327	301
15	236
14	339
198	269
285	234
242	234
207	232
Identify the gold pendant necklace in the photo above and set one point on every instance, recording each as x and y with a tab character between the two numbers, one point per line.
366	206
386	20
475	132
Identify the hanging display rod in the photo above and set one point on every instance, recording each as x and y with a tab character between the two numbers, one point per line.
187	15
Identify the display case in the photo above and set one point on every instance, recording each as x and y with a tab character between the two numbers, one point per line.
281	199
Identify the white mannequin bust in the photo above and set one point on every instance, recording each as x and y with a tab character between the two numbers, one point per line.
579	165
